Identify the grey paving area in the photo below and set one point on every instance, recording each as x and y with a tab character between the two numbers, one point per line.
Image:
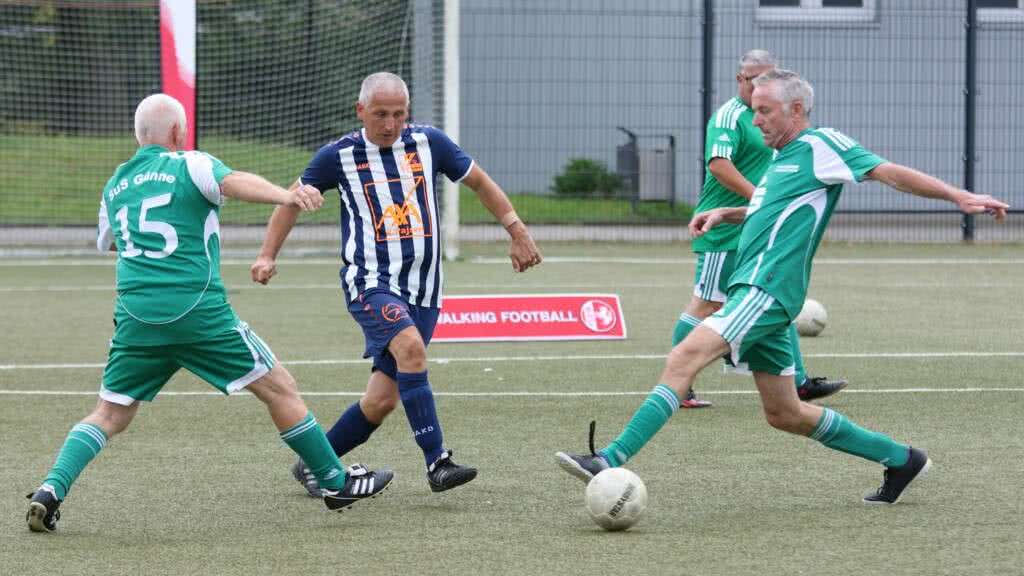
28	241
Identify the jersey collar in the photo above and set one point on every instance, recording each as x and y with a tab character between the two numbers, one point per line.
797	138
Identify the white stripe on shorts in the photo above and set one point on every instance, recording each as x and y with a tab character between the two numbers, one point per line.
734	327
114	397
259	368
707	287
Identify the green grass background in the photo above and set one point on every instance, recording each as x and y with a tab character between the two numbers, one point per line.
200	484
75	169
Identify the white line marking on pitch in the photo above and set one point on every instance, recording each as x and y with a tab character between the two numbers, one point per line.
99	261
525	393
840	261
550	358
451	286
478	286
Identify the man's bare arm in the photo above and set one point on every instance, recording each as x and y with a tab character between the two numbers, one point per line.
523	251
727	175
918	183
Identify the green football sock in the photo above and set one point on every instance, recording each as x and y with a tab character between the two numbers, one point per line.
798	360
83	443
684	326
308	441
659	406
838	433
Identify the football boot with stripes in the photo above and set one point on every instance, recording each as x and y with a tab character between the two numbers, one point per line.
444	474
360	484
42	513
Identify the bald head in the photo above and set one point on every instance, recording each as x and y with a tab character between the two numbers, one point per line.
382	83
160	119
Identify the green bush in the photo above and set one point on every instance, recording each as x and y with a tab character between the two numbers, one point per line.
583	177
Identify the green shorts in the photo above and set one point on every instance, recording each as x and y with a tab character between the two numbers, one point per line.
230	361
757	330
713	272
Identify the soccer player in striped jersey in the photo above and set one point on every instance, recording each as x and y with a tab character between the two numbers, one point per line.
782	227
172	310
736	157
391	276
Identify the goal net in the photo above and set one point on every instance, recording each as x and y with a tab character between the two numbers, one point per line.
275	80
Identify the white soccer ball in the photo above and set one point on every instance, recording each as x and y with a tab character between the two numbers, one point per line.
812	318
616	498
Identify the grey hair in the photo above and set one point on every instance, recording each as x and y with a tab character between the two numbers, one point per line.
790	87
379	81
155	116
758	57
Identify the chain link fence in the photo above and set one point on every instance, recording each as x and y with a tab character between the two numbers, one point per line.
590	113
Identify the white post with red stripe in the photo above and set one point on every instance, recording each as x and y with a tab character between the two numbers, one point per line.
178	57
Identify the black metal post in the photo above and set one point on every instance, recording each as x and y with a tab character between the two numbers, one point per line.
672	166
706	76
970	107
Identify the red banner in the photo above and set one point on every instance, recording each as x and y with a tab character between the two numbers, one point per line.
178	58
530	317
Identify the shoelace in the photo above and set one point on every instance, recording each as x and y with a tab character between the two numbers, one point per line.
885	482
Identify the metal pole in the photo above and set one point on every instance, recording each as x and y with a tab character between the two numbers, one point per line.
672	166
970	108
706	77
450	217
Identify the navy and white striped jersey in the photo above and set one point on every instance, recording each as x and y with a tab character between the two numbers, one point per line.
390	237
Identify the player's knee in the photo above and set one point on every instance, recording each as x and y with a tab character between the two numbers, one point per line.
112	418
410	354
682	360
276	386
783	418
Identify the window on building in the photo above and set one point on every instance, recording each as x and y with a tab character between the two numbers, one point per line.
1003	4
823	11
1001	10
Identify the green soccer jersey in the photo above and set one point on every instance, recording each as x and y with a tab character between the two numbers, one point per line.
730	134
160	210
790	208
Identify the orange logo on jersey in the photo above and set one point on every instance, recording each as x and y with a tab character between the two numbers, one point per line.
400	221
412	162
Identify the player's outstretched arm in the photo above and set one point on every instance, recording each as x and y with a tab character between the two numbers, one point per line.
727	175
280	225
254	188
704	221
918	183
523	251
